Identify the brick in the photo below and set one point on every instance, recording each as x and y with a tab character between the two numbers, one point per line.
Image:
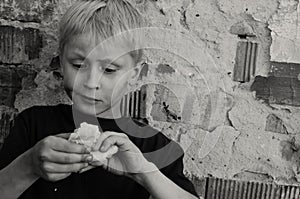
281	95
8	96
280	69
277	90
261	87
286	76
296	91
27	10
19	45
12	80
275	82
9	77
14	76
280	90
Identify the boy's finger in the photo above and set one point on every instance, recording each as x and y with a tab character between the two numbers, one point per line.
114	140
68	158
64	135
105	135
85	169
57	176
115	133
101	138
62	145
64	168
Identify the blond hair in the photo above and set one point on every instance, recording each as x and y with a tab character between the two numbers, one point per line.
101	19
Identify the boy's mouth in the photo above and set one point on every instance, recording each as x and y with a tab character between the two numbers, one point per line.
90	99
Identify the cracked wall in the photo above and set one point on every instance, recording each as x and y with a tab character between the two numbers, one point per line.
225	130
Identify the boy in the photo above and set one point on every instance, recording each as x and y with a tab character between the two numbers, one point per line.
38	161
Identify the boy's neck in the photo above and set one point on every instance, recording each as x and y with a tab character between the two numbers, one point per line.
113	113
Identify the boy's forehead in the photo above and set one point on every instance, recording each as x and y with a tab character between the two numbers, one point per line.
89	46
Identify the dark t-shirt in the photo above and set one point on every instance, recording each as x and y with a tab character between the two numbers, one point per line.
38	122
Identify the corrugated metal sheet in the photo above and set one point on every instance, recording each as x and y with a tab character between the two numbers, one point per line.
134	105
245	62
231	189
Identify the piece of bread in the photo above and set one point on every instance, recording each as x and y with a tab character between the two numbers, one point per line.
88	135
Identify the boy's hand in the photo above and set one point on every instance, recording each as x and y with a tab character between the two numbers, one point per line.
128	160
55	158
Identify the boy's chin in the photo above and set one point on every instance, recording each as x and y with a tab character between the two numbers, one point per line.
88	110
93	111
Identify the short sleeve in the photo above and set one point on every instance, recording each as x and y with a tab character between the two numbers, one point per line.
16	142
175	173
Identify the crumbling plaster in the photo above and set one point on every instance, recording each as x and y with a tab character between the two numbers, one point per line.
243	149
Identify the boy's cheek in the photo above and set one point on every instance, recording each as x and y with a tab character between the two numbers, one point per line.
71	80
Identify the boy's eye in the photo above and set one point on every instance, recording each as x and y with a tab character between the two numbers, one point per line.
110	69
78	65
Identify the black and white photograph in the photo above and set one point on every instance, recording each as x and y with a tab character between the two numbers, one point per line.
150	99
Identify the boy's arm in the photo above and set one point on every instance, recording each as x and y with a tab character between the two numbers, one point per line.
130	161
16	177
53	158
161	187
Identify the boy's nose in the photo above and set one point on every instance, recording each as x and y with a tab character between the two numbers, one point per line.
92	80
